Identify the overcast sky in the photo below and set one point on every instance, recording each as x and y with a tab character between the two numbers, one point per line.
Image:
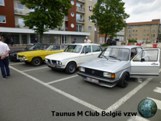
142	10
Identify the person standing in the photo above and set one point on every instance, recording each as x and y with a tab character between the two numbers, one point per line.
4	60
87	40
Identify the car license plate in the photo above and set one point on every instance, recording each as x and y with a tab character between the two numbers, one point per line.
92	80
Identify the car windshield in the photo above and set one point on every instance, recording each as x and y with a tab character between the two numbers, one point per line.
121	54
53	47
73	48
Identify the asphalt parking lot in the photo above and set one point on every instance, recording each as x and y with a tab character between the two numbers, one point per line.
40	94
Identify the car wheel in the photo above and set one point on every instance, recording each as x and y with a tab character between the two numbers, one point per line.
71	67
36	61
123	82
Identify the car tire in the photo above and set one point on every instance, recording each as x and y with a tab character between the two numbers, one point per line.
71	67
36	61
123	82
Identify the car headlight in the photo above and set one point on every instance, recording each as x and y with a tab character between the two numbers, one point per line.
58	62
24	57
82	69
109	75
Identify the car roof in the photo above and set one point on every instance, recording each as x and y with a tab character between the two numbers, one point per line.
83	44
126	46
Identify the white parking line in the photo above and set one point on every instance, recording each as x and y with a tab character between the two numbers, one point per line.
19	63
127	96
34	69
90	106
86	104
59	80
157	89
137	118
121	101
158	102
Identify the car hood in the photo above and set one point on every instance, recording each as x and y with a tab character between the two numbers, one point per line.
62	56
38	52
106	65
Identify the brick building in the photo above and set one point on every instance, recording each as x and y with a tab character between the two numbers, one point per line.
77	25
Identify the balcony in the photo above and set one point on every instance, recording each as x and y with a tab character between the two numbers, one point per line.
19	12
80	21
82	1
80	10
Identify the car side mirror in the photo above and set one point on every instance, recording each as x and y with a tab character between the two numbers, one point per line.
142	59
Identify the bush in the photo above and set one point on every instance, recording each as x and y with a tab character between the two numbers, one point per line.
132	40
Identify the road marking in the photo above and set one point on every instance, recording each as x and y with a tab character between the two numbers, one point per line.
157	89
34	69
158	102
122	100
18	63
137	118
127	96
90	106
59	80
86	104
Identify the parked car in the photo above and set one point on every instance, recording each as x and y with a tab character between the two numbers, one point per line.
36	57
14	51
117	64
73	56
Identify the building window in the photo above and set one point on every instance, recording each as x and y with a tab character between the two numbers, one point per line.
2	19
21	22
20	6
79	28
72	2
89	28
90	8
72	25
72	14
1	2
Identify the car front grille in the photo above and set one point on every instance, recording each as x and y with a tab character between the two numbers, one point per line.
94	72
51	61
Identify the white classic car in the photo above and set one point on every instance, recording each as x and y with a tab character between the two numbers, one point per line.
117	64
73	56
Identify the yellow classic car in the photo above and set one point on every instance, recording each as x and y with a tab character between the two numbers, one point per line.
37	57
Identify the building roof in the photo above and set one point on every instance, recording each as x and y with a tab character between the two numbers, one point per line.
154	21
30	31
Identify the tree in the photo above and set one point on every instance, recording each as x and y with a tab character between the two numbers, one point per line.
45	15
109	16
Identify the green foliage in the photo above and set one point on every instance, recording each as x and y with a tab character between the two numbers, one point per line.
132	40
46	14
109	16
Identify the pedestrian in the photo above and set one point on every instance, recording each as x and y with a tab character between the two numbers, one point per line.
4	60
11	41
74	41
87	40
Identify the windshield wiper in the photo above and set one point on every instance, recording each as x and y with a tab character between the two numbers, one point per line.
114	57
104	57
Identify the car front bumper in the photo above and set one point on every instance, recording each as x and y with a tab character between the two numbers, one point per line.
98	80
55	65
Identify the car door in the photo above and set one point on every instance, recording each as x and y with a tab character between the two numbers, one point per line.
146	63
96	50
86	54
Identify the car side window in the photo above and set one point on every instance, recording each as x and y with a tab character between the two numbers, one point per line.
133	53
86	49
147	56
96	48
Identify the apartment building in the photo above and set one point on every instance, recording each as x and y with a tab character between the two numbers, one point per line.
77	24
148	31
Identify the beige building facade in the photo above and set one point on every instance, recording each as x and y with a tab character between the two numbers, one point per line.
147	32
